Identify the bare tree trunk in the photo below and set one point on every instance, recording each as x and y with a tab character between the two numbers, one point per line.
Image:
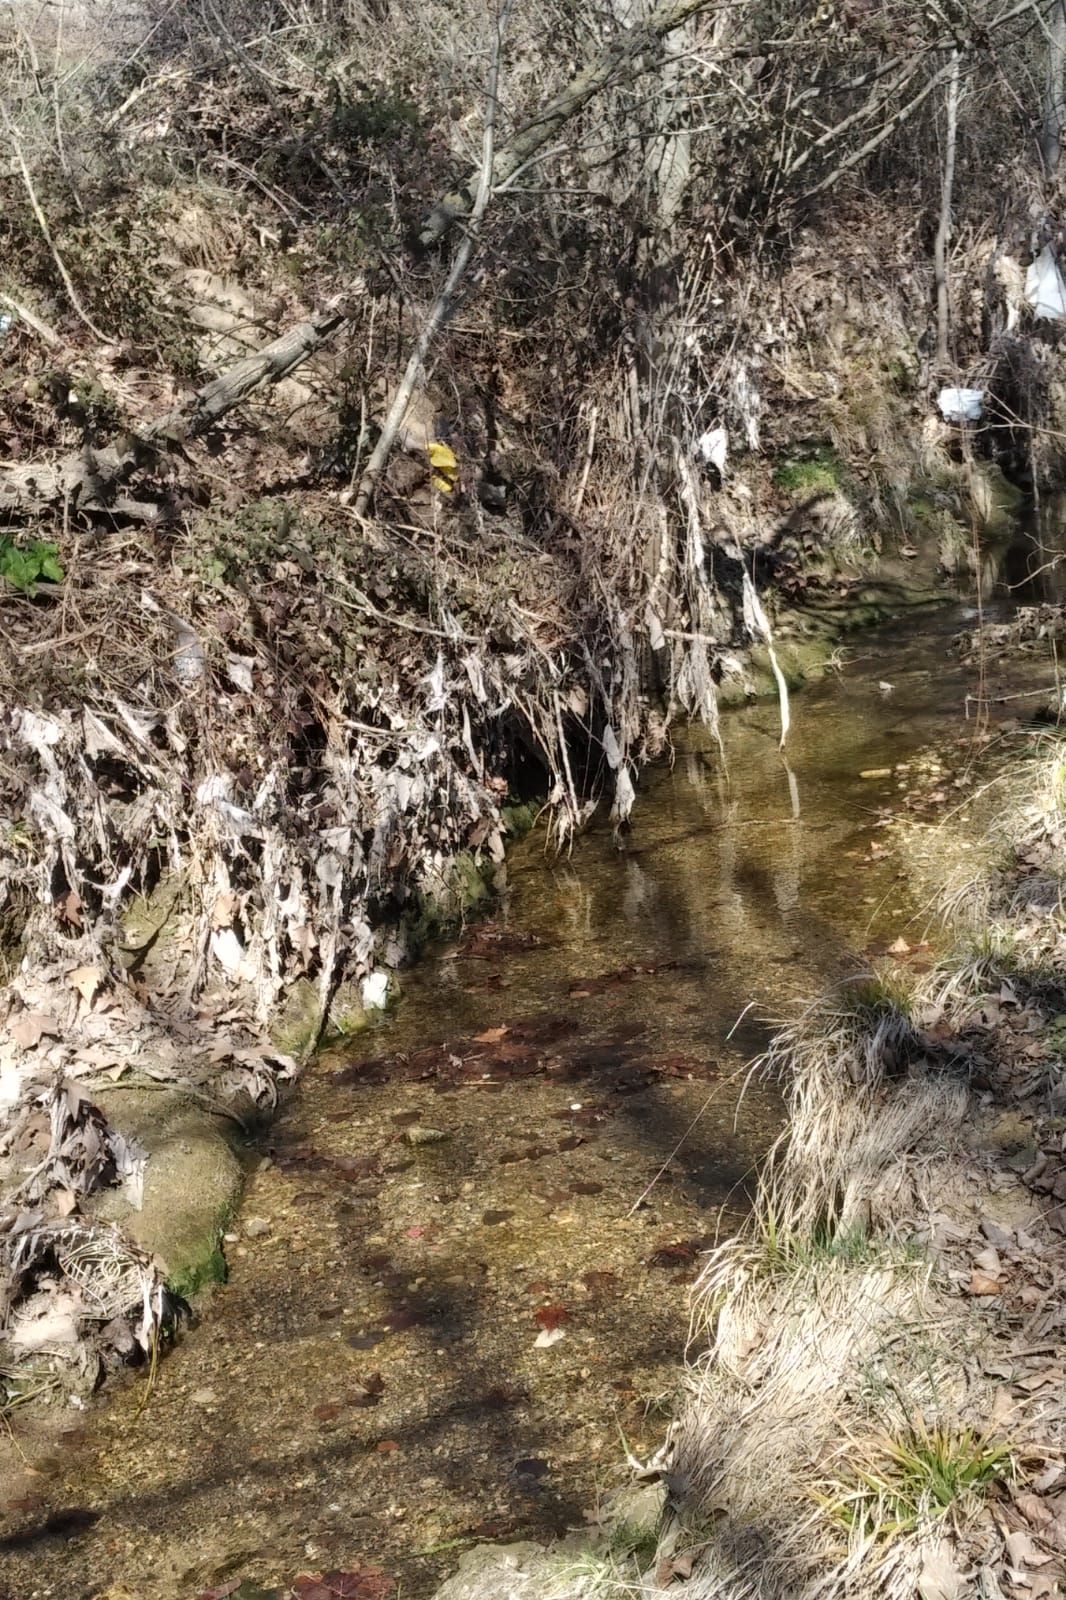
942	245
445	302
616	60
1055	91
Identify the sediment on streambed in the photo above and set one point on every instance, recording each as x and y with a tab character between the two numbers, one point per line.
253	843
251	781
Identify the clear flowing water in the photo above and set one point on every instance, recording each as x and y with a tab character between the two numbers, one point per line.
458	1280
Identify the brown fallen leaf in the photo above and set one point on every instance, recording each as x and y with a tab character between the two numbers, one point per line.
491	1035
1022	1551
70	908
87	980
1033	1508
550	1317
940	1578
1055	1533
224	909
1039	1380
981	1284
367	1583
28	1029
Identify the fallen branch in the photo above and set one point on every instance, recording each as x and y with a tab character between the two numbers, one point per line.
43	330
88	478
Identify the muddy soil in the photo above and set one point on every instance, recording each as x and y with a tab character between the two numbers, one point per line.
457	1284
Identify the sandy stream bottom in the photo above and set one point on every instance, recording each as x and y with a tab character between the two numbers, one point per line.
431	1341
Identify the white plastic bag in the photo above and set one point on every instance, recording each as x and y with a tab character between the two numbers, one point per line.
961	405
1044	287
712	448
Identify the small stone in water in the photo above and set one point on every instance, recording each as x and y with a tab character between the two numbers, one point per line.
418	1136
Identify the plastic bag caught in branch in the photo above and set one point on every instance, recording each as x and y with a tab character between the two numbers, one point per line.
758	625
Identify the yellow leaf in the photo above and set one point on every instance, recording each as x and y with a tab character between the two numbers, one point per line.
445	485
442	457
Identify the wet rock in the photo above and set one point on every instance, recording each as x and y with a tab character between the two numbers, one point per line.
192	1183
490	1571
423	1135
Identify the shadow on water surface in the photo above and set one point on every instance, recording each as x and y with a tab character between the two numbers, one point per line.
424	1343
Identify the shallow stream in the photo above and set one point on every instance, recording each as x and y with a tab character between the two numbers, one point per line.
458	1280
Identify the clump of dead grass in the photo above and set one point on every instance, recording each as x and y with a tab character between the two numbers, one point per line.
823	1321
1007	903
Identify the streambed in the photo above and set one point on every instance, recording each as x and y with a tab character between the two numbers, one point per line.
458	1279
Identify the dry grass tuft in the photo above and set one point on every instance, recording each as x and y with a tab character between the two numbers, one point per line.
823	1321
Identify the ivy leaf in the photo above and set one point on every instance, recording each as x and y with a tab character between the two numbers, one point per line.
47	561
23	568
19	568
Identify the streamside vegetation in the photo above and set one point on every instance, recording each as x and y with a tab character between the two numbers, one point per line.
869	1408
409	413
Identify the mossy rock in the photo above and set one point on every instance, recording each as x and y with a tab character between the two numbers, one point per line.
463	884
295	1022
996	502
155	932
192	1184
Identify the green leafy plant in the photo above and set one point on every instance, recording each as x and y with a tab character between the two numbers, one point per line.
919	1476
25	566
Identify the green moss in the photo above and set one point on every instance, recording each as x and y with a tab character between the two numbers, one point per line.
820	472
197	1274
519	817
465	883
192	1186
